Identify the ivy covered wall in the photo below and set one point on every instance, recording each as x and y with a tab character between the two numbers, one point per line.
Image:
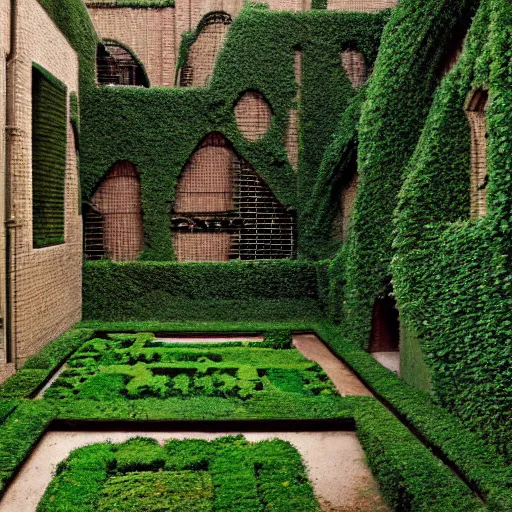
451	273
157	129
411	223
409	132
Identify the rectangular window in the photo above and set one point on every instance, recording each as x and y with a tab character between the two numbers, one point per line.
49	141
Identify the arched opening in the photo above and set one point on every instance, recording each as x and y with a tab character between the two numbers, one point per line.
385	333
223	210
475	112
354	64
113	226
253	115
116	65
200	64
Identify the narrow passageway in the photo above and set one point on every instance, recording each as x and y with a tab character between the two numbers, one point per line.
346	382
384	343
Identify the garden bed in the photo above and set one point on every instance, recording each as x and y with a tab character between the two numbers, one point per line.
334	461
132	382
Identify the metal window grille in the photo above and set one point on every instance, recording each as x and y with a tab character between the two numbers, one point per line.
223	210
116	66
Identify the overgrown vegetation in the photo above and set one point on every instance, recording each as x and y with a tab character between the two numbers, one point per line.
137	367
450	277
193	475
119	121
408	471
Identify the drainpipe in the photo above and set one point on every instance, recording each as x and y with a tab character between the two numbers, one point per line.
11	132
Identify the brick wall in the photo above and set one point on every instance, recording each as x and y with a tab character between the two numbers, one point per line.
150	33
46	284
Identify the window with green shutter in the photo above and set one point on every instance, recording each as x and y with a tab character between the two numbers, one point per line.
49	139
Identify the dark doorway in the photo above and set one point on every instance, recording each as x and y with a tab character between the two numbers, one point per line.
385	334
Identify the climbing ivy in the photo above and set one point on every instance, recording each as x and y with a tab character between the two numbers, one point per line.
449	272
158	129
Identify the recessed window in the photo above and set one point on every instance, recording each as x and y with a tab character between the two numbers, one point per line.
118	66
354	64
253	115
475	111
202	55
223	210
347	198
49	149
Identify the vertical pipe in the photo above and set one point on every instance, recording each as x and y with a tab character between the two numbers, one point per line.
11	131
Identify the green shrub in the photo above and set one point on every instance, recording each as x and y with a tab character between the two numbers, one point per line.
125	478
38	368
234	291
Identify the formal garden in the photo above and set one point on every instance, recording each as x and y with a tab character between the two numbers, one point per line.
290	287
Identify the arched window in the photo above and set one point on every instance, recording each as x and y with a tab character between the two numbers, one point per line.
203	52
116	65
355	67
113	221
475	111
223	210
253	115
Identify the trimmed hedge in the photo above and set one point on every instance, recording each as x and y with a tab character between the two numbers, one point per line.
408	473
19	434
477	460
273	290
38	368
228	473
136	367
417	478
6	408
410	478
